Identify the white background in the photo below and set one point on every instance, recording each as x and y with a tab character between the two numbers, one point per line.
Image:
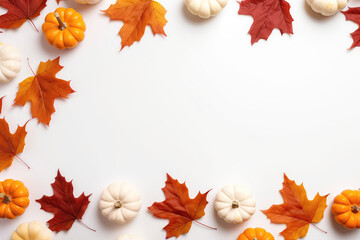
201	104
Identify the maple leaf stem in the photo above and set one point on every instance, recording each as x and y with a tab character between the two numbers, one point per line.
205	225
33	24
28	61
318	228
82	223
22	161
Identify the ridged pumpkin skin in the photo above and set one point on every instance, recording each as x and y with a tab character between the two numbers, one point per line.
32	231
14	198
256	234
346	209
64	36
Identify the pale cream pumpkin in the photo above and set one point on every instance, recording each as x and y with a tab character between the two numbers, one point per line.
235	204
32	231
327	7
10	62
129	237
120	202
205	8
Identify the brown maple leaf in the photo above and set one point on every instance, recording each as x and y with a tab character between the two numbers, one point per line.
136	14
267	14
179	208
66	208
297	211
42	90
20	11
10	144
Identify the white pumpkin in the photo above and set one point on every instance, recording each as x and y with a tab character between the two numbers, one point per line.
205	8
129	237
87	1
235	204
327	7
120	202
32	231
10	62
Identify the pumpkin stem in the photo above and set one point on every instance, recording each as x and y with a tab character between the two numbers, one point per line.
355	209
6	199
205	225
235	204
62	25
255	238
118	204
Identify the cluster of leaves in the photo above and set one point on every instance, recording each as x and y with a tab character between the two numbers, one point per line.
40	90
297	211
136	15
270	14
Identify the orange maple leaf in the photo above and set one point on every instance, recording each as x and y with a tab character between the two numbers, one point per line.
136	14
179	208
297	211
42	89
10	144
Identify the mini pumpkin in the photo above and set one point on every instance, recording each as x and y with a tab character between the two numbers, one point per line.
32	231
64	28
120	202
346	209
87	1
205	8
235	204
129	237
10	62
327	7
256	234
14	198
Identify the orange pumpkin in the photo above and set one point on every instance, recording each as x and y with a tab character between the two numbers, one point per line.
256	234
346	209
14	198
64	28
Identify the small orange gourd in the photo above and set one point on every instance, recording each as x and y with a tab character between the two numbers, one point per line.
14	198
64	28
346	209
256	234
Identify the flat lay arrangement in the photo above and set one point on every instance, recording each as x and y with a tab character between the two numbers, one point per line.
99	140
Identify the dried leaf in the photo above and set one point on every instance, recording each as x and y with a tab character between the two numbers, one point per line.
20	11
267	14
297	211
10	144
1	103
353	14
136	14
42	90
179	208
66	208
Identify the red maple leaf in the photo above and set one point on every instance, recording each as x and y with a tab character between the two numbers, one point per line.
19	11
66	208
353	14
267	14
179	208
